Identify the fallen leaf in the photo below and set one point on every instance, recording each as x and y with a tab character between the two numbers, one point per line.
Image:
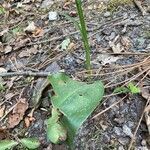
3	32
3	70
38	32
116	48
7	49
17	113
125	41
2	110
145	93
21	43
3	134
64	45
107	59
28	120
28	52
30	28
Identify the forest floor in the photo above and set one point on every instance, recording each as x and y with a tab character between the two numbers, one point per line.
35	36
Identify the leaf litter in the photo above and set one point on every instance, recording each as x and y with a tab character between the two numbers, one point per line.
20	45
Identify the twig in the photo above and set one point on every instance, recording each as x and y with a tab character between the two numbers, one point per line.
133	138
138	4
25	73
127	80
8	111
114	104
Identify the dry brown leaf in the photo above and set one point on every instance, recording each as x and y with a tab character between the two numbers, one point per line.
28	121
3	134
38	32
30	28
21	43
17	113
125	41
28	52
116	48
7	49
2	110
145	93
107	59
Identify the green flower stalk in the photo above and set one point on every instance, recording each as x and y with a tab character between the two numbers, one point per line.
84	35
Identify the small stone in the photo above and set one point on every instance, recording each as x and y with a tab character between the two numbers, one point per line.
123	140
127	131
143	143
120	148
47	3
117	130
112	35
107	14
52	15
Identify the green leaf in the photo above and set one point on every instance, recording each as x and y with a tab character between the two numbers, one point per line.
121	90
133	89
64	45
2	10
55	130
75	100
7	144
30	143
16	30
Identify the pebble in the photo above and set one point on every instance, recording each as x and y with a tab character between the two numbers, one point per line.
127	131
112	35
118	131
107	14
120	148
123	140
52	15
47	3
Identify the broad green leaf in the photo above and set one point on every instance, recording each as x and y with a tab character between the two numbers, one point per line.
64	45
30	143
121	90
133	89
7	144
55	130
75	100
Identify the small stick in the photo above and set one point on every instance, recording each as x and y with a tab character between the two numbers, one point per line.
114	104
26	73
133	138
138	4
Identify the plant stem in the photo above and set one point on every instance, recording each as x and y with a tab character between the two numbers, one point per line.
84	34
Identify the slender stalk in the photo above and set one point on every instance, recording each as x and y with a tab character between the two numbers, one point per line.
84	34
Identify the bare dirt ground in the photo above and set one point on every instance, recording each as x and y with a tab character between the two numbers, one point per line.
31	37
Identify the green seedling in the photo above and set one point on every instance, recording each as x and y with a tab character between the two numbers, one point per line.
16	30
2	88
131	88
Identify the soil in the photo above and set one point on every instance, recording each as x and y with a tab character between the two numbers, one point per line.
119	34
